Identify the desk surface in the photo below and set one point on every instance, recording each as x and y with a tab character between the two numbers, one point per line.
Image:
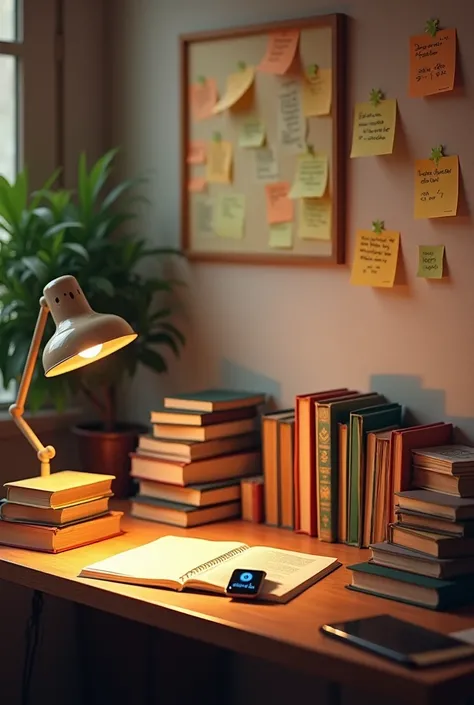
285	634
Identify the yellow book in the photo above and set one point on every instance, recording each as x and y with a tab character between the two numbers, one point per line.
60	489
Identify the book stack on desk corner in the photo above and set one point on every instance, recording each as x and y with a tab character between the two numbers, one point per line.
58	512
189	469
428	558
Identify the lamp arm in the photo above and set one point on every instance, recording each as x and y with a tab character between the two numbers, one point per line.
44	453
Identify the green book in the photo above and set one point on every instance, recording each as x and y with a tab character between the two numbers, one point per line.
411	588
328	416
361	422
214	400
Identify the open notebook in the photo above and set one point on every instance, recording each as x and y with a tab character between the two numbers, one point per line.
178	563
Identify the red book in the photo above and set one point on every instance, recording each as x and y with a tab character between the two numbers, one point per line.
405	440
305	458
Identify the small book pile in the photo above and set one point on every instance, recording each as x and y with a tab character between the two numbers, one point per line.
428	559
202	444
58	512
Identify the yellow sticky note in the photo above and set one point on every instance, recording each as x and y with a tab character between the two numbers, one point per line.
374	128
311	176
316	93
281	236
436	187
219	162
252	133
281	50
203	97
375	258
315	219
197	152
229	216
430	261
432	63
237	86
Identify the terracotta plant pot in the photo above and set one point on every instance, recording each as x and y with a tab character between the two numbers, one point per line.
108	452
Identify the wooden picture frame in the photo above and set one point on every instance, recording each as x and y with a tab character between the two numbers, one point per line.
219	52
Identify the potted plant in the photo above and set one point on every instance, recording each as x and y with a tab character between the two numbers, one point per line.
54	232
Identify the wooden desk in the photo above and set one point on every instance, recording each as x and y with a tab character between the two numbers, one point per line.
285	634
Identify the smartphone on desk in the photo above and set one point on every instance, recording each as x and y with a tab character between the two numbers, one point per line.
400	641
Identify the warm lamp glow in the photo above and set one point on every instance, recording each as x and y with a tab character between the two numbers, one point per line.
91	352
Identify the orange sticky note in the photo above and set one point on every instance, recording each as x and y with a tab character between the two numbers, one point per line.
237	86
432	63
281	50
279	206
196	184
197	152
203	97
436	187
219	162
375	258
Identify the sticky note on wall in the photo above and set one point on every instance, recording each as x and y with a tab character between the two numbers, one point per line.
229	216
311	177
280	53
432	63
315	219
316	93
238	84
436	187
430	261
203	97
279	206
375	258
219	162
374	128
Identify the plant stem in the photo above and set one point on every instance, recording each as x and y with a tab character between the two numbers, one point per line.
93	399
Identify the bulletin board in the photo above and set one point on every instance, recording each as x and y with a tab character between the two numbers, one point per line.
214	56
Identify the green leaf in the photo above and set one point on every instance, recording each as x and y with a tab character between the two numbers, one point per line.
77	248
153	360
164	339
37	267
432	27
100	172
103	285
177	333
60	227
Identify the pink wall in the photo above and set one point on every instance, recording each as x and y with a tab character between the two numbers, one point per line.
289	330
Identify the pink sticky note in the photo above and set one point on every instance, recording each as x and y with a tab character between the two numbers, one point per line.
196	184
197	152
279	206
281	50
203	97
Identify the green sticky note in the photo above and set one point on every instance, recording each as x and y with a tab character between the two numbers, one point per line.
281	236
229	216
430	261
252	133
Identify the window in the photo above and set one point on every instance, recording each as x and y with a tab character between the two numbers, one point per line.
30	87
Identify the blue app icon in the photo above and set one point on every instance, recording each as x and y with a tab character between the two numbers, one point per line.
246	577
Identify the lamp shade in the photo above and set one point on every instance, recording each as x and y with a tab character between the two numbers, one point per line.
82	336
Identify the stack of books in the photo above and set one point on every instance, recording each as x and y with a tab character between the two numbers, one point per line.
190	467
56	513
428	558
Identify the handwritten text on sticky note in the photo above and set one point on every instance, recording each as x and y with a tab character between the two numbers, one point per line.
291	121
279	206
237	86
281	236
375	258
374	128
436	187
252	133
281	50
430	261
311	176
219	162
315	219
432	63
203	97
316	93
229	216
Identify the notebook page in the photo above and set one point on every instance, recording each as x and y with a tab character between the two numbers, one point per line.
285	569
167	558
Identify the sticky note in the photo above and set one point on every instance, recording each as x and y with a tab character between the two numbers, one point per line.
430	261
279	206
196	184
315	219
281	236
229	216
316	93
202	215
203	97
436	187
280	53
266	165
237	86
432	63
291	121
311	177
375	258
197	152
252	133
219	162
374	128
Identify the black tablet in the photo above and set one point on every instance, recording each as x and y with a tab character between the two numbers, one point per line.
399	641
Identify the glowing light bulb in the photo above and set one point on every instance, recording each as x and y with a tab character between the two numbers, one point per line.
91	352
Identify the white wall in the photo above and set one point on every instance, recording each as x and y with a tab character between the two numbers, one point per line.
289	330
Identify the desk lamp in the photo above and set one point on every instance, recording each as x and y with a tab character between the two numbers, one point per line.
82	336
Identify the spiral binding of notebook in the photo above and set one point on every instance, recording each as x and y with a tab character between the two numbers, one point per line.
212	564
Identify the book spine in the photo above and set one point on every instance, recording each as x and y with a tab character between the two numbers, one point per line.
326	484
353	481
